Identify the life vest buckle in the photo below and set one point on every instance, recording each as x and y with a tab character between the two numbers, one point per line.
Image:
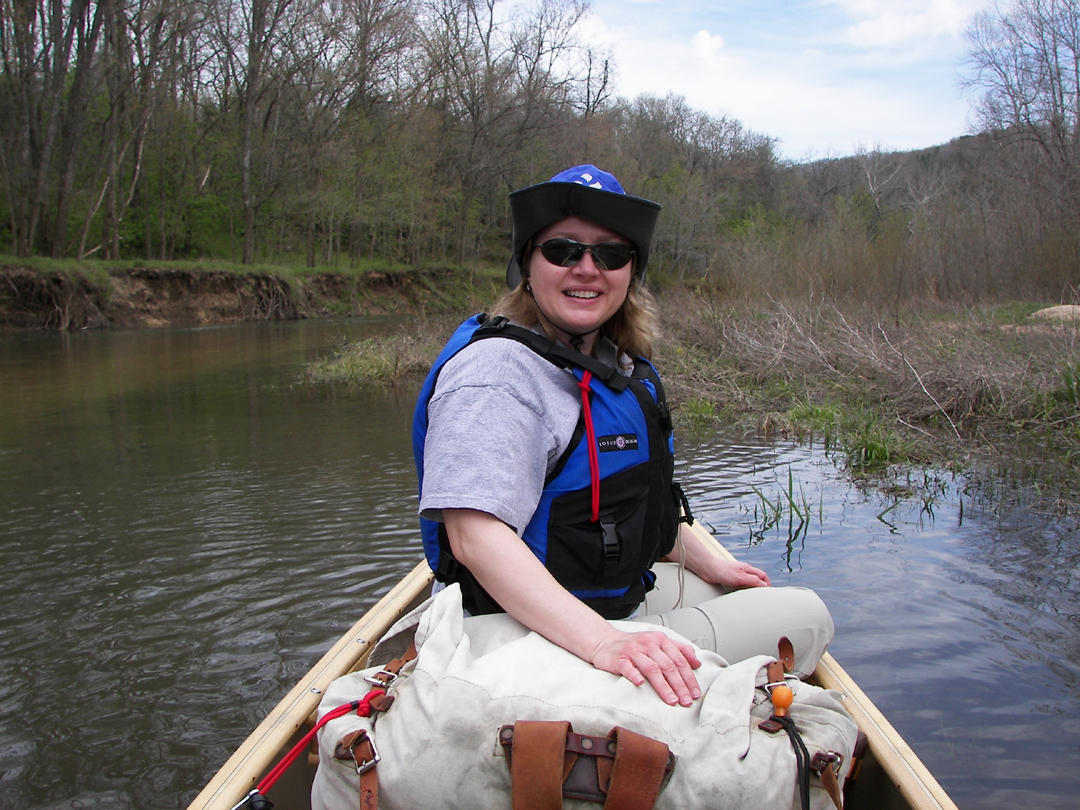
612	548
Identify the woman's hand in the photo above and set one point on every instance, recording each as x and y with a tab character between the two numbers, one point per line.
654	657
711	567
737	574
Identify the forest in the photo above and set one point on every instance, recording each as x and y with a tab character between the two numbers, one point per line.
339	133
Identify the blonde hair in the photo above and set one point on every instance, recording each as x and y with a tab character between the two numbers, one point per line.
633	328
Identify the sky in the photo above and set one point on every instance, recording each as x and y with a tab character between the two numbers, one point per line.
825	78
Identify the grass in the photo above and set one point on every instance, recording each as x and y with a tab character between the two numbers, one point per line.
67	294
946	387
769	514
355	268
385	360
94	273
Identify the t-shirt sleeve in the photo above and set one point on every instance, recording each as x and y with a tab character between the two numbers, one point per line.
492	431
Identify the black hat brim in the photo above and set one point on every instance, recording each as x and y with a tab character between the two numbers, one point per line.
536	207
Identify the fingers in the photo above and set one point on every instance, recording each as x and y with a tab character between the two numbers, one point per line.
754	577
669	672
742	575
666	665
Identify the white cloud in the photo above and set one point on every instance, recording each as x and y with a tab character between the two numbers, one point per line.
874	23
824	77
707	45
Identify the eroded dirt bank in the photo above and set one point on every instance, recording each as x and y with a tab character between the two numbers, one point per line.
148	296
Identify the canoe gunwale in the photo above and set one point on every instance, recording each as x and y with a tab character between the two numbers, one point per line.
258	753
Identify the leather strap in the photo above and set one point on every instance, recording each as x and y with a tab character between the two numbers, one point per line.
637	772
388	674
359	747
624	771
831	784
536	769
786	652
826	767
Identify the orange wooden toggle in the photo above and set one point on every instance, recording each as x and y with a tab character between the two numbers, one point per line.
782	697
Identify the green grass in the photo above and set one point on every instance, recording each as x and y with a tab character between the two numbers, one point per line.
386	360
1013	312
822	418
697	413
365	362
1067	392
285	270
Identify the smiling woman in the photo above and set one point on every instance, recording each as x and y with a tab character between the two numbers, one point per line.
576	295
545	459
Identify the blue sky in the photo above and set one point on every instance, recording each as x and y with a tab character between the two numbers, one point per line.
825	77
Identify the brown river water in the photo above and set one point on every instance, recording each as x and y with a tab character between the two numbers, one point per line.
185	527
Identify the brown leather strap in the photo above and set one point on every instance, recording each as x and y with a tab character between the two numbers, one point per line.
827	767
358	747
862	743
536	768
549	761
638	771
369	790
386	675
786	652
831	784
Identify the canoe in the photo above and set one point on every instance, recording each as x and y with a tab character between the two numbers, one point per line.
891	775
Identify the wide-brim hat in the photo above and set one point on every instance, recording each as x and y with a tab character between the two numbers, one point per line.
581	191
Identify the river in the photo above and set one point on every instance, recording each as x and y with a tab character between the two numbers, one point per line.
185	526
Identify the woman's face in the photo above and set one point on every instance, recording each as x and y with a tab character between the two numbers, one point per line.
579	299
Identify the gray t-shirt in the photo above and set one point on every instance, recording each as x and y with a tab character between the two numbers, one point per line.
498	420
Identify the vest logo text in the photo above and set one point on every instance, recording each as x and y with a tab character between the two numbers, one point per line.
623	441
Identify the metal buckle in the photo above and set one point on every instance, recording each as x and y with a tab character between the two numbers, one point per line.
822	759
367	764
375	680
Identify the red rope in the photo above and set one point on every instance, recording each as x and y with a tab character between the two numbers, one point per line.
362	709
590	437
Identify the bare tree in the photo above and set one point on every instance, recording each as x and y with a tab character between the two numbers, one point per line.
358	56
263	46
139	47
50	53
1026	61
502	79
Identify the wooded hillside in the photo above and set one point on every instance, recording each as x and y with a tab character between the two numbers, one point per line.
330	133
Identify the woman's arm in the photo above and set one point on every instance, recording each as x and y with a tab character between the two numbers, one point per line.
713	568
518	581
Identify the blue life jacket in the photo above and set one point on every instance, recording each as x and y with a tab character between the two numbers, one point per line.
601	552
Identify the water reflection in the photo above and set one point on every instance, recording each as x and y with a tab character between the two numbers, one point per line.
185	529
958	617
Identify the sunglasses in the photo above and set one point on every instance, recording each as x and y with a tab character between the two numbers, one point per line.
567	253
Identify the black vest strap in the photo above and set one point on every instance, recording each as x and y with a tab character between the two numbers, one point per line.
553	351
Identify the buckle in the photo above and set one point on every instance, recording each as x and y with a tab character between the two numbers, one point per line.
382	678
612	548
366	764
823	759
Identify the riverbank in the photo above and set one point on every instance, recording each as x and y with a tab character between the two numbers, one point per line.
995	388
37	294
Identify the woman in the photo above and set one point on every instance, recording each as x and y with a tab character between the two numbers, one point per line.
545	459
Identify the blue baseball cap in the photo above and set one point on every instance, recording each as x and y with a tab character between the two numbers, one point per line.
580	191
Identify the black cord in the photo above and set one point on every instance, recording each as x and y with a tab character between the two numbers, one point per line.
802	758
